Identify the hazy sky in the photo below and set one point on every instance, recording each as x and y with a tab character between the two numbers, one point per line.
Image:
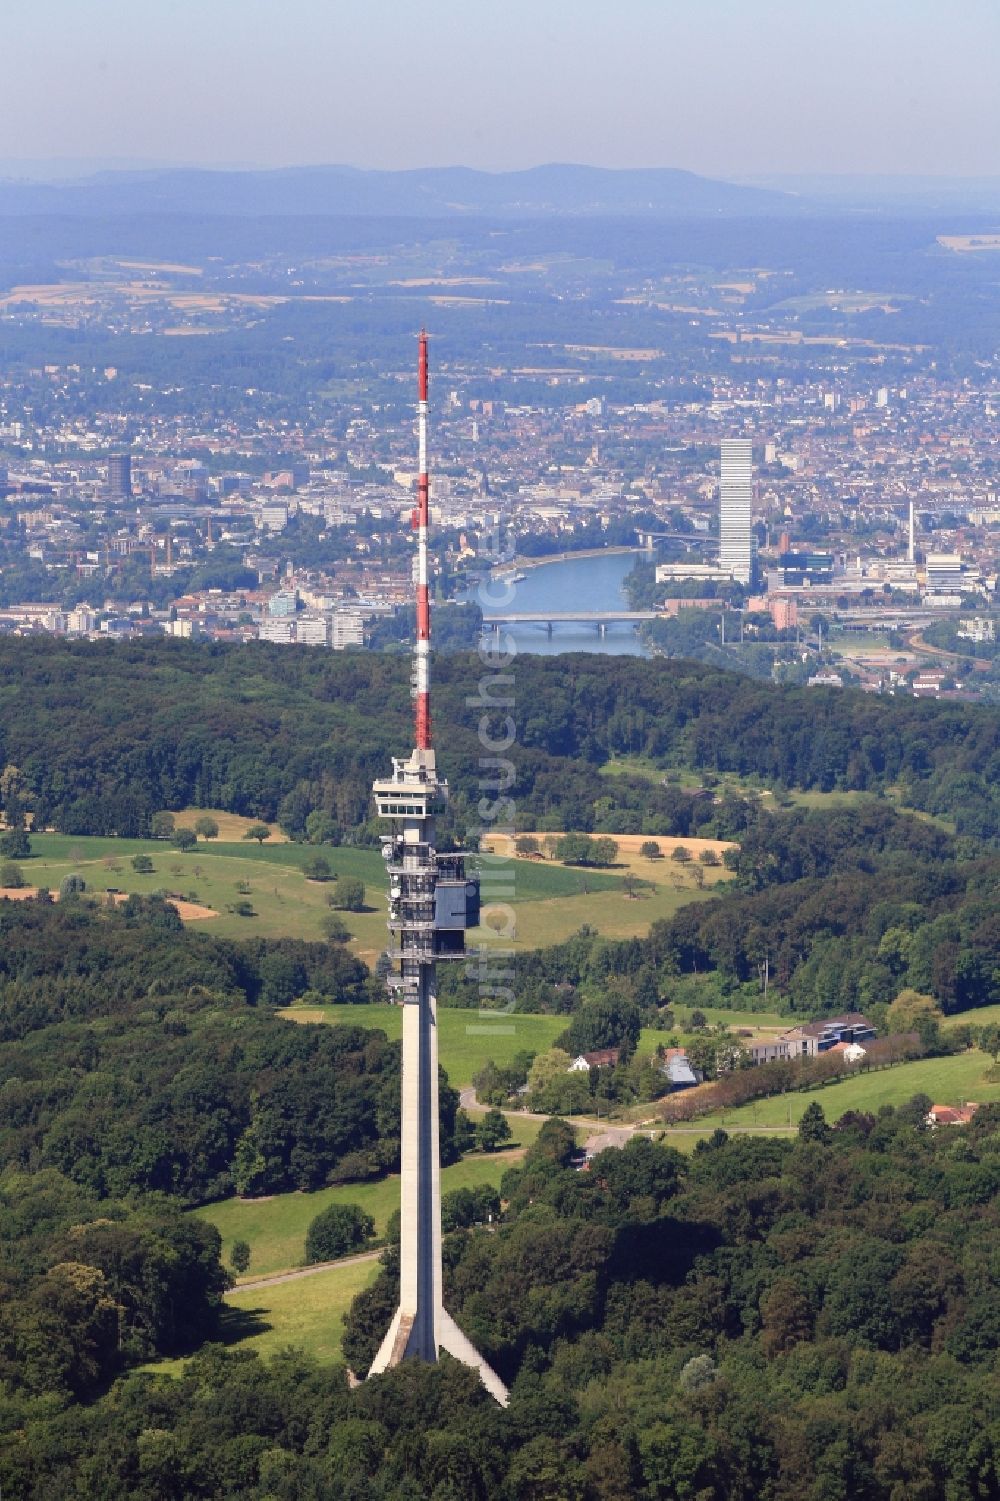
725	87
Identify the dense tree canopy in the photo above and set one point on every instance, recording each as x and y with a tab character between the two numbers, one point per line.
90	1285
845	906
106	735
136	1056
807	1319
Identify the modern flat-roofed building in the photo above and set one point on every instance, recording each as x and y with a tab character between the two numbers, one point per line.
348	630
120	475
279	632
313	630
813	1038
735	509
701	573
284	603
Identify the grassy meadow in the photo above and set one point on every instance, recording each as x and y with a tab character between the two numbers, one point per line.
466	1039
716	1016
550	901
979	1016
307	1314
275	1228
948	1081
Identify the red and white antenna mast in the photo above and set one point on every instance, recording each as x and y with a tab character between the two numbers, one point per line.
421	520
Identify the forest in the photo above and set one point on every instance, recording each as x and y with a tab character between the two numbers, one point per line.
806	1320
846	906
137	1057
104	735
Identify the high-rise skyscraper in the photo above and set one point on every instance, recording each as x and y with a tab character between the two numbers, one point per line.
735	509
120	475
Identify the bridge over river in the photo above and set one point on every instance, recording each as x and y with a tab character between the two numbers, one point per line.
601	619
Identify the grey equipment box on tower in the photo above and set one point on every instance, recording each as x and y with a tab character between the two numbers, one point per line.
456	904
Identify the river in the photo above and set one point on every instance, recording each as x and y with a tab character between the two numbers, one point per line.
593	583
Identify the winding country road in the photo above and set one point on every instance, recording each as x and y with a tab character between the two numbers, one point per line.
618	1131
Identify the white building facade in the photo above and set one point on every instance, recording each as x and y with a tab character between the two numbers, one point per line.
735	509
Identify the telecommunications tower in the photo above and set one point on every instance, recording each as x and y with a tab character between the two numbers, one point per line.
431	903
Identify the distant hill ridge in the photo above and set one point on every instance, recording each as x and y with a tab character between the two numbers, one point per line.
425	192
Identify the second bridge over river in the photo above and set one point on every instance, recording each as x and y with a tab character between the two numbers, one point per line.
601	619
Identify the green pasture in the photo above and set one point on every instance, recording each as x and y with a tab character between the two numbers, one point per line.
686	1141
835	799
613	913
948	1081
551	902
844	302
633	766
979	1016
307	1313
275	1228
685	779
284	903
679	776
466	1039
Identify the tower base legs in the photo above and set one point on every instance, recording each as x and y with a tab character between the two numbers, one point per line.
461	1347
393	1350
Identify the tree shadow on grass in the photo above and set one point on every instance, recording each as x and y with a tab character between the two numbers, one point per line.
238	1324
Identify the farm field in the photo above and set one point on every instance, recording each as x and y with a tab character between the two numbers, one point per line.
232	826
963	243
629	858
602	898
275	1228
613	913
466	1038
551	901
948	1081
284	903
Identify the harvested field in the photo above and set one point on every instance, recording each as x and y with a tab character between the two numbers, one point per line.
188	911
964	243
614	352
447	281
168	268
231	826
628	844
